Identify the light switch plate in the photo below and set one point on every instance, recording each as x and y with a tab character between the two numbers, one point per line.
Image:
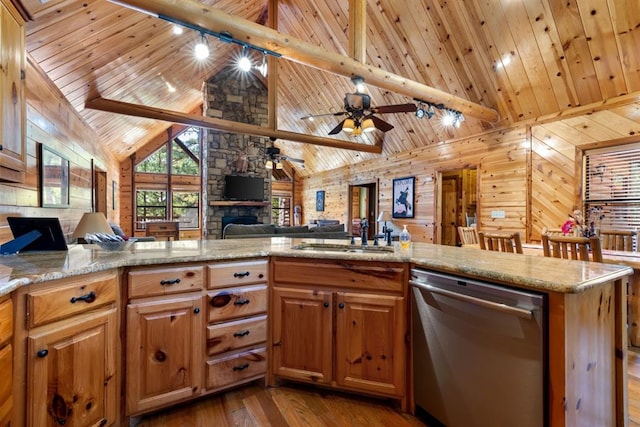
497	214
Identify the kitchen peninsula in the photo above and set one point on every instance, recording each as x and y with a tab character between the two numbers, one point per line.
90	295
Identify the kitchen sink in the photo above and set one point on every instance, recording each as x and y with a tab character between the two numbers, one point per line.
335	247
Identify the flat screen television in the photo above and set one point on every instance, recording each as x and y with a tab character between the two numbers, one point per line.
243	188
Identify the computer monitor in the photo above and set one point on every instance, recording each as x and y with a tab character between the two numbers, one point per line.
52	238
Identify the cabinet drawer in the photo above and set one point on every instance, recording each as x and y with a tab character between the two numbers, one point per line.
163	281
237	302
227	336
381	276
237	273
6	385
6	321
237	368
69	297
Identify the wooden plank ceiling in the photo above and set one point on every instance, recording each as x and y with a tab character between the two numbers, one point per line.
524	58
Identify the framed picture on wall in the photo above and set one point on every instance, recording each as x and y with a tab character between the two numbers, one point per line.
320	200
54	178
403	197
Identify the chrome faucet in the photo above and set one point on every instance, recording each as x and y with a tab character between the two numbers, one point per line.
364	224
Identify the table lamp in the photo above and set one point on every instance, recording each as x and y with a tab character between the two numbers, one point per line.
91	222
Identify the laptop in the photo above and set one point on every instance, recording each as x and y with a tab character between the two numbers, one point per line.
52	238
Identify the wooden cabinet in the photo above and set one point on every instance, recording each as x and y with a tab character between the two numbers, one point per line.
12	101
165	335
237	323
68	331
6	362
351	316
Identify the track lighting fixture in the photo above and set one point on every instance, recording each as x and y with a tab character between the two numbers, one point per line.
262	68
201	49
244	63
428	109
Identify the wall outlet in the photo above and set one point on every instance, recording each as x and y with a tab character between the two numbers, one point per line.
497	214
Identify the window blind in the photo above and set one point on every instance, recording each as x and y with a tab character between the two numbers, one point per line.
612	182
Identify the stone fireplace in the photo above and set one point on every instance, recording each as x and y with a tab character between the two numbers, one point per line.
241	97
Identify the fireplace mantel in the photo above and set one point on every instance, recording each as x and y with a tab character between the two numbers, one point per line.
237	203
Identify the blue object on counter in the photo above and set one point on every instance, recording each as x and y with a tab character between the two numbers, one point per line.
20	242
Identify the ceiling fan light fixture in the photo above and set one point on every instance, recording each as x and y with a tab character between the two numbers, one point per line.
279	165
268	164
349	125
368	125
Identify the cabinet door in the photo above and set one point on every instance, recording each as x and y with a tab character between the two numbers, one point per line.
12	154
370	343
302	330
72	372
165	359
6	385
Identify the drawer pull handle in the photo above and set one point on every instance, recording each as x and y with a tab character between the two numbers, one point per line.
196	310
241	367
169	282
341	305
241	334
241	275
241	301
326	304
42	353
88	298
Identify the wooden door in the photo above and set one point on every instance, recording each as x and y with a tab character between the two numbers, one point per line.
72	372
165	359
100	192
449	210
301	323
370	343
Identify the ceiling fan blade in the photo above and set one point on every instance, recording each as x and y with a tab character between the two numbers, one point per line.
398	108
292	159
340	113
381	124
338	128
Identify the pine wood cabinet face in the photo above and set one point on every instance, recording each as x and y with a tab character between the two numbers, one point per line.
12	103
370	342
6	362
236	323
338	328
72	372
164	351
301	324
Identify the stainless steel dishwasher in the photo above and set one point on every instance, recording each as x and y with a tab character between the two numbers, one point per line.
478	352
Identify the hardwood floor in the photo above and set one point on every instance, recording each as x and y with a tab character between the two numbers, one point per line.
293	405
285	406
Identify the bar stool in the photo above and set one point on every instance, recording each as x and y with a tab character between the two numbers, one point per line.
572	247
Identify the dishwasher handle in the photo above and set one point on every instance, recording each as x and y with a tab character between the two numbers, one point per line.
520	312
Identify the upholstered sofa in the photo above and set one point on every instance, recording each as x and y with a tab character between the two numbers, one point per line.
243	231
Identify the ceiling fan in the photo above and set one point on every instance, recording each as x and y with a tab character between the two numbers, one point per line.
360	114
274	158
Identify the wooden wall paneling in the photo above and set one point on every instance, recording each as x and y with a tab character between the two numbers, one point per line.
602	42
628	36
582	73
553	186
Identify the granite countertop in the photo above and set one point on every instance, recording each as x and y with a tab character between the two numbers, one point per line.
547	274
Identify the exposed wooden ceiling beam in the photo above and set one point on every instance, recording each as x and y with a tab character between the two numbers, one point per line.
129	109
358	30
299	51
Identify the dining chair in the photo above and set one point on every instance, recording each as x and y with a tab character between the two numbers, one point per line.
502	242
618	240
572	247
468	235
552	231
